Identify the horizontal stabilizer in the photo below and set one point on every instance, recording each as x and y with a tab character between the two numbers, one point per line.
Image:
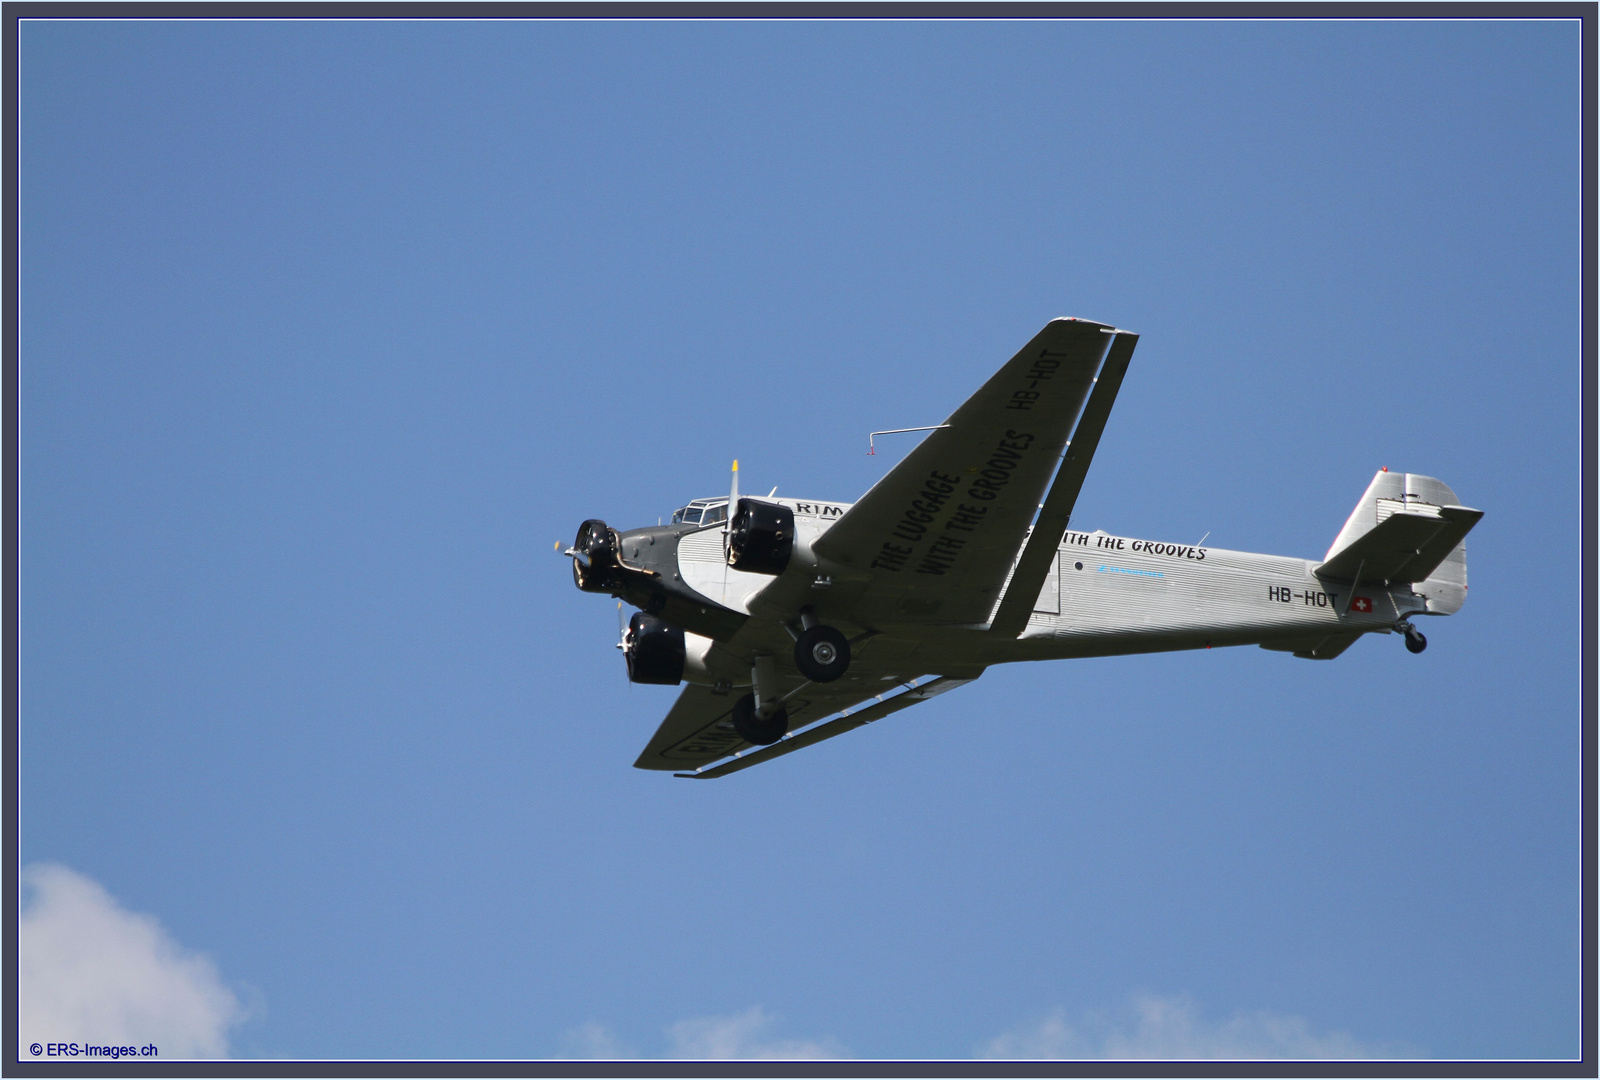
837	726
1317	647
1407	546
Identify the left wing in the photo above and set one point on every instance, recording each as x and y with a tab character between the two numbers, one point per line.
933	541
699	729
912	695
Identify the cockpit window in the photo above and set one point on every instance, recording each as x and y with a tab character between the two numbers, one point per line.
699	513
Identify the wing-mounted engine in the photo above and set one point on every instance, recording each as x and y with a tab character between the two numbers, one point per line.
760	537
654	649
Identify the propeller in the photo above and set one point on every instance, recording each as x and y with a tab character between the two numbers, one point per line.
574	552
594	556
623	643
727	527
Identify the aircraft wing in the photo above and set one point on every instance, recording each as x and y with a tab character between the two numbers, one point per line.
934	539
1011	617
699	729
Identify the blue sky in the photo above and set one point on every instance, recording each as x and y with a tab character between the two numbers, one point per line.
330	330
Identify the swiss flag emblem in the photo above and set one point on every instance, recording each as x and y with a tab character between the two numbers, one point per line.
1361	603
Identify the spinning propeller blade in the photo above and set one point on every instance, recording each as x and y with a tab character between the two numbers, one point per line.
727	526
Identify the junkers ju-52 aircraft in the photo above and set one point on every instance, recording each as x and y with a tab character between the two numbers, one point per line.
795	620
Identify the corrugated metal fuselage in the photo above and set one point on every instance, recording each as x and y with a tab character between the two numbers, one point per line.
1122	594
1105	596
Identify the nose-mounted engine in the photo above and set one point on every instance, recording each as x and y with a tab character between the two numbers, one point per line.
640	566
594	557
760	537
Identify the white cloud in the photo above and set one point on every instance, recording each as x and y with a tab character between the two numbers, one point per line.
593	1040
92	972
742	1036
1170	1028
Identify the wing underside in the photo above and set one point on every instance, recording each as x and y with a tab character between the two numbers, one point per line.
934	539
934	543
1037	557
698	731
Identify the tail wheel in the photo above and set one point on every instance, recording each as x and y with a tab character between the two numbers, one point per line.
822	654
1415	642
753	728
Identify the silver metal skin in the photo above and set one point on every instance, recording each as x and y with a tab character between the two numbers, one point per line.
1108	595
961	558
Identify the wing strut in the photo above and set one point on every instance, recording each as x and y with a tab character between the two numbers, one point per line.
1017	604
837	726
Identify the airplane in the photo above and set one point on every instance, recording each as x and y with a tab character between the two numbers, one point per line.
795	620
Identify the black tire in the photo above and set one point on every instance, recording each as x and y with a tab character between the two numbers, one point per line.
755	729
1415	641
822	654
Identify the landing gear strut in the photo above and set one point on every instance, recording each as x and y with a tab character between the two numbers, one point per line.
1415	642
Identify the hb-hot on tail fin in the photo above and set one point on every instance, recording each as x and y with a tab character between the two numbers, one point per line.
1406	530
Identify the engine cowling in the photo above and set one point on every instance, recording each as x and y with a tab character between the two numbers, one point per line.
595	564
760	537
654	650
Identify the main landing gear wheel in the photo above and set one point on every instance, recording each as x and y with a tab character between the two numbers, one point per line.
1414	640
752	728
822	654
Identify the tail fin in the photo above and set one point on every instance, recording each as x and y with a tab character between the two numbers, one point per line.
1407	529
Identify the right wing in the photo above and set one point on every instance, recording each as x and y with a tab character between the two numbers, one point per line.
699	729
934	539
1032	567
